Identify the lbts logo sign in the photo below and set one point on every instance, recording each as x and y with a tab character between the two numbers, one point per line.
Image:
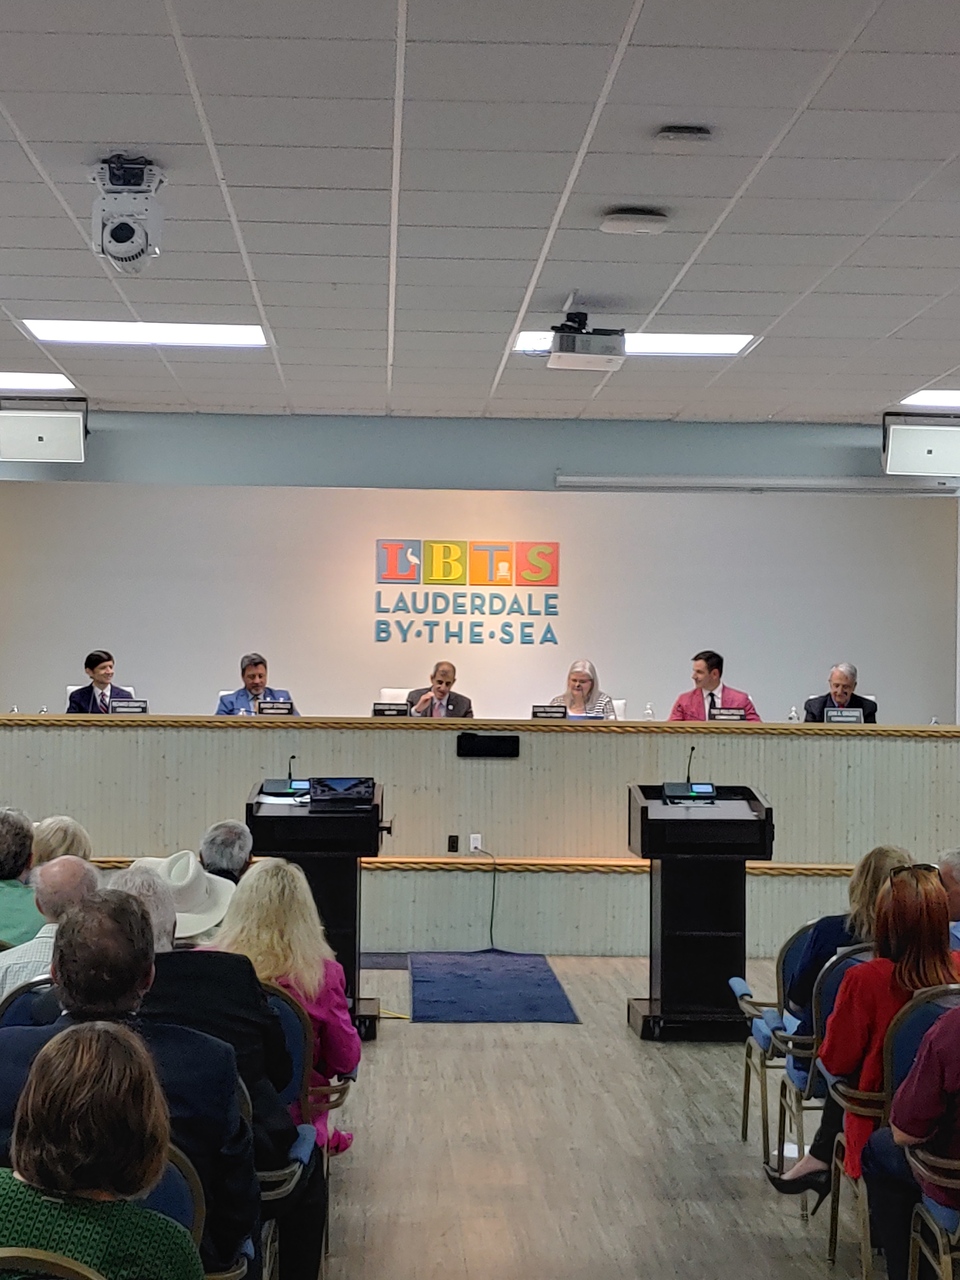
417	568
412	562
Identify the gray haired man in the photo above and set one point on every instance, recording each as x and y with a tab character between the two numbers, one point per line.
225	849
842	684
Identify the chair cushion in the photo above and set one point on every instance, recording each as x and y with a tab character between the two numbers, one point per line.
949	1219
302	1149
740	987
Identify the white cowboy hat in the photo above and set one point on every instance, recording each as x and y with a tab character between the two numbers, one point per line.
201	899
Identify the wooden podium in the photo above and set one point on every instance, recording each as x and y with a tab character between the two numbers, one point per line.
698	853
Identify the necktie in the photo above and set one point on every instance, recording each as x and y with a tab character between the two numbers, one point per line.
437	709
103	701
713	702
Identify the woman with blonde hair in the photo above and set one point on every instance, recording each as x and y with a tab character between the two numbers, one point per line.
273	920
91	1135
53	837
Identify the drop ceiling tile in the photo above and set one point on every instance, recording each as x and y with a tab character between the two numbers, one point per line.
198	313
316	238
786	176
614	280
483	297
533	22
82	63
149	289
313	318
318	268
295	205
492	126
798	324
29	199
917	218
891	82
111	308
105	119
595	246
474	208
301	68
77	289
697	79
186	235
757	279
300	122
878	135
14	165
943	183
897	309
891	280
667	321
37	233
472	242
465	359
197	267
461	273
738	306
48	262
439	343
537	73
913	26
287	293
908	251
752	24
807	215
291	19
485	171
104	17
736	132
779	250
330	340
659	180
355	168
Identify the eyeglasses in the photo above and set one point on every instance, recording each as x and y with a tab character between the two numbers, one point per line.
914	867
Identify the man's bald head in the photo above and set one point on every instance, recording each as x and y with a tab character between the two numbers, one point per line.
61	884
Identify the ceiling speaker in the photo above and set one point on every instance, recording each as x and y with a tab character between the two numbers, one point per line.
42	435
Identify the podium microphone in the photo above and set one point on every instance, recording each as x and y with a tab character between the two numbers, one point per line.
290	769
689	763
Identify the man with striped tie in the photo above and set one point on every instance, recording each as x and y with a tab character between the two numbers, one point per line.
95	698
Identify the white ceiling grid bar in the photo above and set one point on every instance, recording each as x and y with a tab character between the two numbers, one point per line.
395	162
622	45
225	192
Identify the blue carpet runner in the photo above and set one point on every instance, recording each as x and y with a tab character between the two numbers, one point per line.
486	986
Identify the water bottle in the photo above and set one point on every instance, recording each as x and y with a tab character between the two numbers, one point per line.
14	710
794	715
42	711
934	720
648	712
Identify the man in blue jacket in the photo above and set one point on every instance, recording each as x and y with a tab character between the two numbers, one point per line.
102	966
253	669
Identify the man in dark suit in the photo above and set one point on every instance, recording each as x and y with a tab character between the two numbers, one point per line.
94	699
102	967
843	682
438	699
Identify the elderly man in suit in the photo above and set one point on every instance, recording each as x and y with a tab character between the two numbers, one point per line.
253	669
842	683
438	699
709	692
94	698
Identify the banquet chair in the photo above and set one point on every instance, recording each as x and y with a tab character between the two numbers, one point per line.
42	1262
935	1228
179	1196
15	1008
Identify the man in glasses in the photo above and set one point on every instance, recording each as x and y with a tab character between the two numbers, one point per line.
950	875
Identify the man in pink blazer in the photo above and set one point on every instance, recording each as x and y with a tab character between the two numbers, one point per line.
709	691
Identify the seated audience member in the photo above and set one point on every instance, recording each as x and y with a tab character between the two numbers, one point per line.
911	951
19	920
90	1135
842	683
200	899
220	995
55	837
102	967
583	696
253	670
273	919
950	875
95	698
225	849
709	692
832	933
926	1110
57	886
438	699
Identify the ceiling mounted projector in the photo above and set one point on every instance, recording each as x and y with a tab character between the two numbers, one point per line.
921	445
576	347
635	220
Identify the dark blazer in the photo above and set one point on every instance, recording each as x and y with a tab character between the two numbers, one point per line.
83	701
457	704
220	994
815	707
199	1078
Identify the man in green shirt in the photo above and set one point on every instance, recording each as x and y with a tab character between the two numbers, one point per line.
20	921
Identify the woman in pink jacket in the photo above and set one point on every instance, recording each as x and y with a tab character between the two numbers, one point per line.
273	920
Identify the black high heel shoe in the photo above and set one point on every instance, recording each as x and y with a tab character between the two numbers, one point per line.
818	1182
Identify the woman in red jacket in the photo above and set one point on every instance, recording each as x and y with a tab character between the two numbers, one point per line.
911	951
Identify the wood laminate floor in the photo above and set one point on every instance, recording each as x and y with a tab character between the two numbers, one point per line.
543	1152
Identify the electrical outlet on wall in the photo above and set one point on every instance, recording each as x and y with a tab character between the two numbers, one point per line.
476	843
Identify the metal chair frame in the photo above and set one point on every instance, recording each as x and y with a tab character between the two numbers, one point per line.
43	1262
182	1162
757	1061
942	1247
35	984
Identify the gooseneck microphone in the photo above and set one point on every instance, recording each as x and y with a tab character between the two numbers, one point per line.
689	763
290	769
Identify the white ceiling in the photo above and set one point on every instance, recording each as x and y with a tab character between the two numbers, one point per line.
394	192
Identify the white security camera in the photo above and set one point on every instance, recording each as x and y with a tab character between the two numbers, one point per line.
127	217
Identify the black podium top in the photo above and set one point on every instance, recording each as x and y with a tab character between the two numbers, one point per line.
280	825
738	824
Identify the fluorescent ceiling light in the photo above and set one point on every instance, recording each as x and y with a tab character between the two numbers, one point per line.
138	334
687	344
533	342
926	486
935	399
35	382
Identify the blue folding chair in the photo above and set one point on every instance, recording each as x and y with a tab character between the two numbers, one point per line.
179	1196
935	1228
16	1010
760	1054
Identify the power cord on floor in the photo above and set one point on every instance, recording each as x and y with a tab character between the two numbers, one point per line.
493	891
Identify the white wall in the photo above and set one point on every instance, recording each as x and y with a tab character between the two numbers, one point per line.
179	581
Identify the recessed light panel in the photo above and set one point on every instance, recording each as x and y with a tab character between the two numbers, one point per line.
35	382
136	333
941	399
687	344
